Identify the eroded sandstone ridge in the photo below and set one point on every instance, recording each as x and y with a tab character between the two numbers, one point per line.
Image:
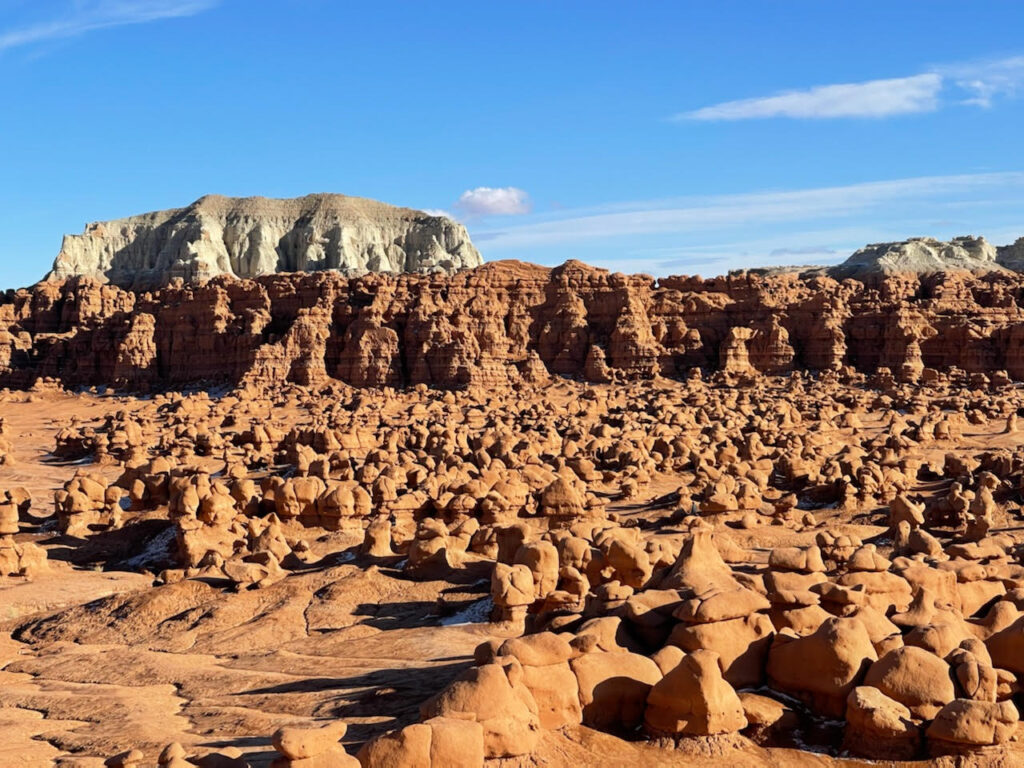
505	323
924	254
248	237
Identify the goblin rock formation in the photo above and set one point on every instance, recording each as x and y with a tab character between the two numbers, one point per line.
721	564
508	322
249	237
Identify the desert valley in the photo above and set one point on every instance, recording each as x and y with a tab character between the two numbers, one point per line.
307	484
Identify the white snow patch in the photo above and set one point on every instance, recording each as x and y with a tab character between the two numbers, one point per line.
477	613
155	553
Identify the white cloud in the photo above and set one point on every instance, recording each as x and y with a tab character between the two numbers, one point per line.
82	17
703	214
975	84
874	98
493	201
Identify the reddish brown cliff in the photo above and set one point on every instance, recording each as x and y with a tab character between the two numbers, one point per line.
491	325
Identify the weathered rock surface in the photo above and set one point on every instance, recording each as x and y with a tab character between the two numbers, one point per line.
253	236
921	254
504	323
507	322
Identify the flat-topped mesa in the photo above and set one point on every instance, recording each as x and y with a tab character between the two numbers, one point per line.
921	255
254	236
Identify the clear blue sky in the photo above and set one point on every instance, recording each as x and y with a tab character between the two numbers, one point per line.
640	136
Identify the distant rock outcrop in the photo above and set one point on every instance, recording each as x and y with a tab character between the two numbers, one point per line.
1012	256
921	255
254	236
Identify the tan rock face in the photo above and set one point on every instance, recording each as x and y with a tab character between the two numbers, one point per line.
249	237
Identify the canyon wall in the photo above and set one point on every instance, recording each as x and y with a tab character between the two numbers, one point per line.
504	323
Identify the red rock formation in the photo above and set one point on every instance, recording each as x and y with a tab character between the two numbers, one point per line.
490	326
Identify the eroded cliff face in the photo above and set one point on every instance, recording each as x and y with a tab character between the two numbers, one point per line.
250	237
503	322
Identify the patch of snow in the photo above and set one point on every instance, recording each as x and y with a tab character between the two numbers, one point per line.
156	552
477	613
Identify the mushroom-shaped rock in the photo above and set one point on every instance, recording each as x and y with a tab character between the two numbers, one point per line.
560	499
903	509
173	756
914	677
879	727
312	746
694	699
614	687
741	643
501	703
964	723
822	668
512	590
297	742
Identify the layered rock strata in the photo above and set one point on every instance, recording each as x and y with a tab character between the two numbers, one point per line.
506	322
249	237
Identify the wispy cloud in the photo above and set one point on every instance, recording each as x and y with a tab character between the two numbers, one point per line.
752	249
984	81
88	16
802	252
874	98
710	213
974	83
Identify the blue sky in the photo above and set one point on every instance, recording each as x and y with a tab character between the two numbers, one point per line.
665	137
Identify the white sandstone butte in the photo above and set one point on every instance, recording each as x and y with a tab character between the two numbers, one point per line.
253	236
